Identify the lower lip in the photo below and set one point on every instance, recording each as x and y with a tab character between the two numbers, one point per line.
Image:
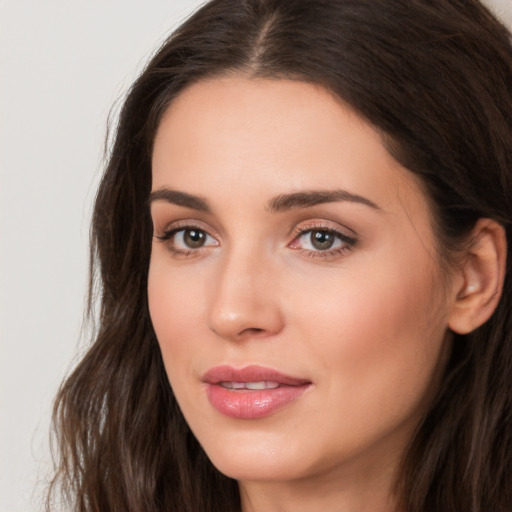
251	405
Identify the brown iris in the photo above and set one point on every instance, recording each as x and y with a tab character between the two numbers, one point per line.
322	240
194	238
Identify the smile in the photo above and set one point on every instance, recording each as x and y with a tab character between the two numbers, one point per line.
252	392
250	385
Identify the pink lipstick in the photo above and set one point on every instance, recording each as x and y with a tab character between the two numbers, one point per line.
252	392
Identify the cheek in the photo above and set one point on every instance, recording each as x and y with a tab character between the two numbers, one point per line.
379	339
175	307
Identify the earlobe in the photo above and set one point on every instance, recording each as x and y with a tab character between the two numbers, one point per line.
483	273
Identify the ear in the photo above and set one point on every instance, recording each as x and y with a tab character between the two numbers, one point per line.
483	271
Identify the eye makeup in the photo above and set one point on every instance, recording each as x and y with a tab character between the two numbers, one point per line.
317	239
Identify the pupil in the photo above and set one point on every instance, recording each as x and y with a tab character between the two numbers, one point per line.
322	240
194	238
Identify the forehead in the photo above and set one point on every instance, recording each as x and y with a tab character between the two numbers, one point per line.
231	135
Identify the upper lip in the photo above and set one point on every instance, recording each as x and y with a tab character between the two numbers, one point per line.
252	373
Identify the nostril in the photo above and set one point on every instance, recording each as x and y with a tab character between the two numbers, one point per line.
251	331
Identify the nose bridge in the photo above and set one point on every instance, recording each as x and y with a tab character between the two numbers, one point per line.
243	303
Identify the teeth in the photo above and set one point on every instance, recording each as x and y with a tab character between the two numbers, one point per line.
255	385
250	385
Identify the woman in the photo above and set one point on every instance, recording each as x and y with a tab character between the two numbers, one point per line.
301	239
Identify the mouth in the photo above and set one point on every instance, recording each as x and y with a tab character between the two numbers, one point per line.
252	392
250	386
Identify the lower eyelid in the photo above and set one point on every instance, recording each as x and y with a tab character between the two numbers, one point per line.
326	255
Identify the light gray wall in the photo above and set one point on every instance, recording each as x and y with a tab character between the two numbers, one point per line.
62	65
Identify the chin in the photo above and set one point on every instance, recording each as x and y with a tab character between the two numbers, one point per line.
258	461
258	470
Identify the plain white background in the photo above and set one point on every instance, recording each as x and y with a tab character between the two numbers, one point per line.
63	64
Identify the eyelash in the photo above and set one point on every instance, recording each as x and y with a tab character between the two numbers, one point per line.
347	242
169	234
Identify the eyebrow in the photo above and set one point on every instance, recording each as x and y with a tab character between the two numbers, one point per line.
304	199
180	199
280	203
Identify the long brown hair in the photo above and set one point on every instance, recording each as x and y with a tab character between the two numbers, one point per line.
434	77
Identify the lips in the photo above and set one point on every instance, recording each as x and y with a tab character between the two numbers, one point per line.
252	392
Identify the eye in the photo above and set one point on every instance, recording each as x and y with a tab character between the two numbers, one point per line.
322	242
187	240
192	238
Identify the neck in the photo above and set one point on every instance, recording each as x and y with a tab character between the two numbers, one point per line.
339	490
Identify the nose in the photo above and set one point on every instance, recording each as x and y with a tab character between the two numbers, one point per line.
244	300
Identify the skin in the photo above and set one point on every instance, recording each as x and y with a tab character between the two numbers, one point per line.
366	324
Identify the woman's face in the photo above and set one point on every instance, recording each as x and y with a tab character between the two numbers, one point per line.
294	287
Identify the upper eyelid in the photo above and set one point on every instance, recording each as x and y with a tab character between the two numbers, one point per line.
189	223
347	239
323	224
